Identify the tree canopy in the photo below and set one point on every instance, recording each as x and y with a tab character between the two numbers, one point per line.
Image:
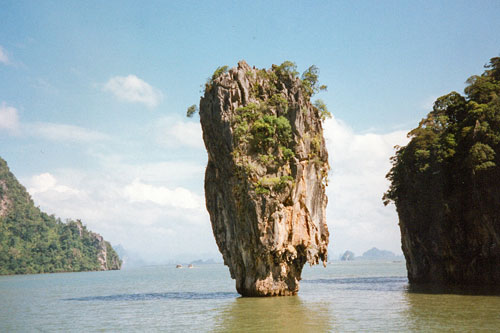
457	144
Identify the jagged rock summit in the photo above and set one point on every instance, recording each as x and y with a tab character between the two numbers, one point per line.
266	174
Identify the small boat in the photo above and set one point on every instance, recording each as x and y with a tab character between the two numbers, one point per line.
178	266
190	266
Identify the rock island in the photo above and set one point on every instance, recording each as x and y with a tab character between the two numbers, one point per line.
266	174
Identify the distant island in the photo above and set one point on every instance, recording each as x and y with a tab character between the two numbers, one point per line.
347	256
32	241
372	254
203	262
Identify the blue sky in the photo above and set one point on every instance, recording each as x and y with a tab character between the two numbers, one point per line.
93	96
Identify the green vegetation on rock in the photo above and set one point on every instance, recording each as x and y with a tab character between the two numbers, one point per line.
458	142
310	81
322	109
262	127
266	175
34	242
446	186
218	72
191	111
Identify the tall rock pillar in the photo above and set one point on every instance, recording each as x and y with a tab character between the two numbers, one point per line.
266	176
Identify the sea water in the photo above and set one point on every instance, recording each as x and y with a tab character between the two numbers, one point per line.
343	297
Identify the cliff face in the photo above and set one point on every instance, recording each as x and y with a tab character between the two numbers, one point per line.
265	178
446	187
106	256
34	242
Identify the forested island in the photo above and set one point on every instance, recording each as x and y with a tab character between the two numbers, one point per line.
446	187
32	241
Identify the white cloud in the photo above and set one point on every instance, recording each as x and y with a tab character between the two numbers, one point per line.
46	182
155	217
65	133
179	197
357	218
157	209
132	89
3	56
9	119
171	173
172	133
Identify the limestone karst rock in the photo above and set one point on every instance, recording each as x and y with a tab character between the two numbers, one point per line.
266	176
445	184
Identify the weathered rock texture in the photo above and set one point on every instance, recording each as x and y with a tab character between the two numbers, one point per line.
446	187
265	178
107	257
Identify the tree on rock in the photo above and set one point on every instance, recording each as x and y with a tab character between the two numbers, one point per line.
446	187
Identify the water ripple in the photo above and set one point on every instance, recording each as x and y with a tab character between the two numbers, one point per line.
156	296
391	283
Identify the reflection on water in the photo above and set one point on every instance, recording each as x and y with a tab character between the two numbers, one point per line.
451	308
275	314
369	303
438	309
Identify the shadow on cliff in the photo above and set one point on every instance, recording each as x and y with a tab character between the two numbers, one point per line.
156	296
274	314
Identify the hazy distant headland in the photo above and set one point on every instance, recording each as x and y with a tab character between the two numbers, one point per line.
33	242
133	260
372	254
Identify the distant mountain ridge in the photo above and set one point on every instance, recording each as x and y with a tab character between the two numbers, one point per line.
374	254
32	241
371	254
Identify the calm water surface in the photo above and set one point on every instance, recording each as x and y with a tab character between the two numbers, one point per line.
344	297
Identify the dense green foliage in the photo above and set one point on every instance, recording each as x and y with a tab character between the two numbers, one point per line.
34	242
456	145
260	132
